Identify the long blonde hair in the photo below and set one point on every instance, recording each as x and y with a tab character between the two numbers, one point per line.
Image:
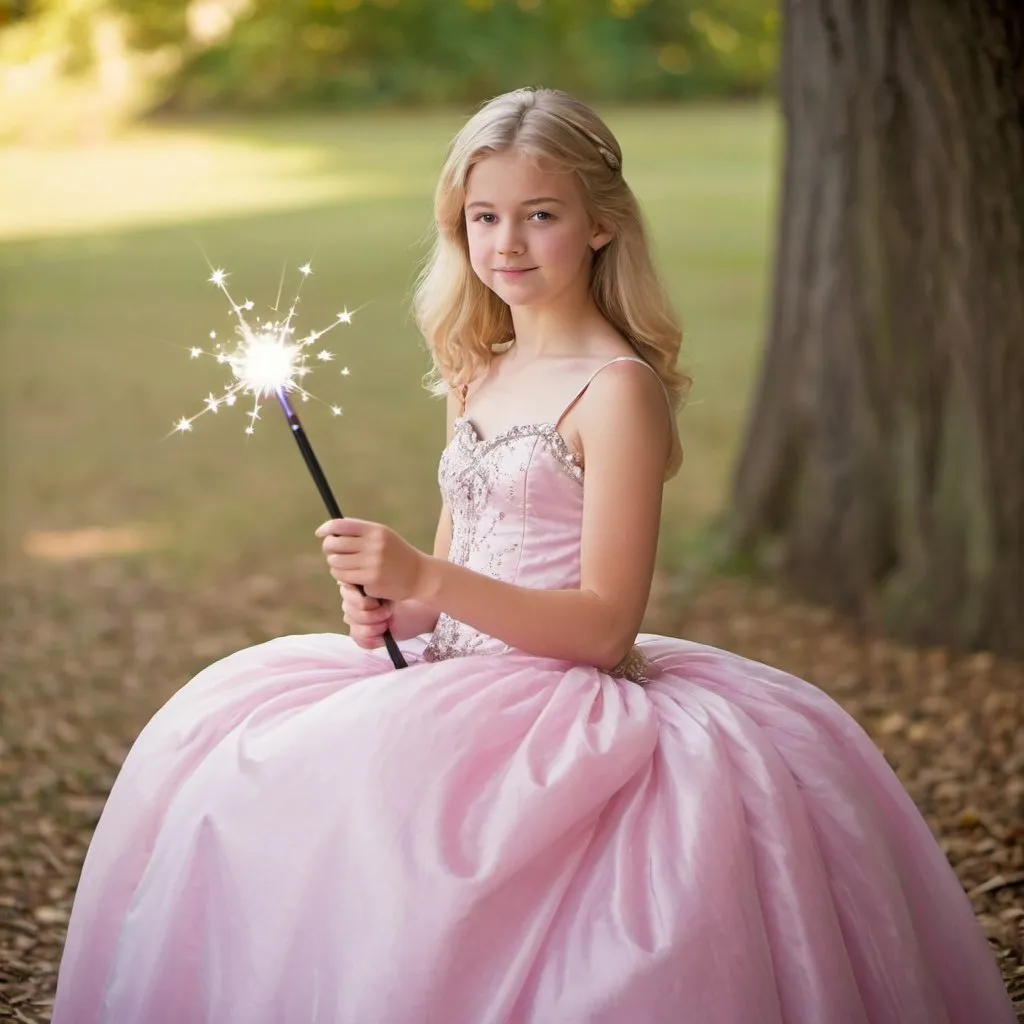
461	318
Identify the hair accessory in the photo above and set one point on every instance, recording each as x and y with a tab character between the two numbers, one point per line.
613	162
606	154
609	157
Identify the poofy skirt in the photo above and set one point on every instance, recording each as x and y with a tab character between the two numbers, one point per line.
303	835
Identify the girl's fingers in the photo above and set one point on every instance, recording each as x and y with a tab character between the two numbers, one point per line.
354	597
351	569
341	545
371	617
325	528
369	643
369	632
341	528
344	562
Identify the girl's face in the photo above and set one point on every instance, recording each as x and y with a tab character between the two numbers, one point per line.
531	239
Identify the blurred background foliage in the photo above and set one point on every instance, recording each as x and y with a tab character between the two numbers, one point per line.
314	129
207	55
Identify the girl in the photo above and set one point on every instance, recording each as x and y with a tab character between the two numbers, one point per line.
544	819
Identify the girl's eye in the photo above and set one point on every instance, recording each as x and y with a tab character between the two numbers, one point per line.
485	218
542	215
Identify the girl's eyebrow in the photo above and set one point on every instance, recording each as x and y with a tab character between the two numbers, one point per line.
540	200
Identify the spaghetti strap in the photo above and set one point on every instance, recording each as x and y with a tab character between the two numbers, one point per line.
590	380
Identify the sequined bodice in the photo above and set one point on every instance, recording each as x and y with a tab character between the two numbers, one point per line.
516	502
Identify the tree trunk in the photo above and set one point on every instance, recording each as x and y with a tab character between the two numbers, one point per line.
883	465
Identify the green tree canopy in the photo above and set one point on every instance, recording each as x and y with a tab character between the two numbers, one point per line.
261	53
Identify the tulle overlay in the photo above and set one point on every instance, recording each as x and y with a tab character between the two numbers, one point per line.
303	835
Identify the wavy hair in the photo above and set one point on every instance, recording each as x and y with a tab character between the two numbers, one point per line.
461	318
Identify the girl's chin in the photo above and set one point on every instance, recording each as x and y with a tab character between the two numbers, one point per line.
515	294
522	301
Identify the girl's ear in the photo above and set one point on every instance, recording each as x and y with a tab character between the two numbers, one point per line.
599	237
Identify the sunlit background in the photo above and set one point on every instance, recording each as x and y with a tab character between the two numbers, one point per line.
148	138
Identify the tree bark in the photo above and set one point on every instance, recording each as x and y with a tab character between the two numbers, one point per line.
882	469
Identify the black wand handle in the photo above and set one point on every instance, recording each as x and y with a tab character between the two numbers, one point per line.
331	503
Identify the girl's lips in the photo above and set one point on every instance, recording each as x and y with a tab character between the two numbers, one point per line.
514	271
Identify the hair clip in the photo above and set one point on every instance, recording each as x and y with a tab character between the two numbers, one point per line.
613	162
606	154
609	157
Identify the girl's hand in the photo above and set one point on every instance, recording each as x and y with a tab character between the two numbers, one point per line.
366	617
373	557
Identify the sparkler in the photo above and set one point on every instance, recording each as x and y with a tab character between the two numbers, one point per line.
267	359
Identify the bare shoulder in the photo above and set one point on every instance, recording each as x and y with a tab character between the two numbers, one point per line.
626	390
624	414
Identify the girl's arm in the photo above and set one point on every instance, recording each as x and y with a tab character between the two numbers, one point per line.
627	437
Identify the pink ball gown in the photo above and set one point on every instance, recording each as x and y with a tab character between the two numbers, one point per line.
303	835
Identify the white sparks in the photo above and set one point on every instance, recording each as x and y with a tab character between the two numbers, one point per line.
265	363
344	371
264	357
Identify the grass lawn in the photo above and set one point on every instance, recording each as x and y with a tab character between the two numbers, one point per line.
104	289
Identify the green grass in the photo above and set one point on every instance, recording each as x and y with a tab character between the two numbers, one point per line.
103	277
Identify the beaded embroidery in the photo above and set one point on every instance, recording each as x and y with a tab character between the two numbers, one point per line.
634	667
570	461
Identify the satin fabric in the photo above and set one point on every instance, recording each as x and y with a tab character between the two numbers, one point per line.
302	834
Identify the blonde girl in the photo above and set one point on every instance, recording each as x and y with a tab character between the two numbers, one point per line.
546	818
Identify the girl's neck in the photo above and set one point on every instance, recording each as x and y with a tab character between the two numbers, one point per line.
563	330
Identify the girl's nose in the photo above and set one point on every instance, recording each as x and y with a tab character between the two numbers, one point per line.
510	243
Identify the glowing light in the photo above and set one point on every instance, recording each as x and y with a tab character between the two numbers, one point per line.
265	359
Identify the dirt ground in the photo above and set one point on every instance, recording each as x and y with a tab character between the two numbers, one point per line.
89	651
